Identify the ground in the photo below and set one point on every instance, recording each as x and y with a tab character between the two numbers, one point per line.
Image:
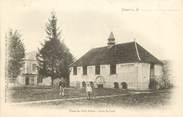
119	97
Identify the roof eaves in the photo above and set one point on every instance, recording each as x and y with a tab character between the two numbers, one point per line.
136	49
72	64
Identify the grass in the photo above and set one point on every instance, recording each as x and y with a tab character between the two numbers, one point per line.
21	94
155	98
142	100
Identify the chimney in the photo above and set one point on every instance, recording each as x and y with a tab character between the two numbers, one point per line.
111	39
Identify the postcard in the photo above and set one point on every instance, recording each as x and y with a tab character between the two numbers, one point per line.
91	58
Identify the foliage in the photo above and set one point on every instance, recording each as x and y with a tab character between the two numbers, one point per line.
54	57
166	81
15	53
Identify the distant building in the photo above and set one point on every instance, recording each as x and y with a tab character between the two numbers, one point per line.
126	65
29	71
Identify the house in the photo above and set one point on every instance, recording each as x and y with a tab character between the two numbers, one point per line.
125	65
29	71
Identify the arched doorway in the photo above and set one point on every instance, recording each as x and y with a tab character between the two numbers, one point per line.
100	81
124	85
83	84
116	85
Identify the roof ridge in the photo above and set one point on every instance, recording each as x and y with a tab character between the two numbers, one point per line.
136	49
114	45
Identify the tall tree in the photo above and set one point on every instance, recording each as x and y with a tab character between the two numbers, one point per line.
54	57
16	53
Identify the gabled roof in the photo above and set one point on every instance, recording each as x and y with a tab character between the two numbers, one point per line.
119	53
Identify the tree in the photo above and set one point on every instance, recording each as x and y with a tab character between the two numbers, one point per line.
166	81
16	53
54	57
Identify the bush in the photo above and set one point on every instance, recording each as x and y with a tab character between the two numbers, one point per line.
165	81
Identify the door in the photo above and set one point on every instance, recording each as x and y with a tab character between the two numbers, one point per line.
100	85
26	80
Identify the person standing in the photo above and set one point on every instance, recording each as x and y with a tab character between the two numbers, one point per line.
61	87
88	91
93	90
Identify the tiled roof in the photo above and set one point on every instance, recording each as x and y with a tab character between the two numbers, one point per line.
119	53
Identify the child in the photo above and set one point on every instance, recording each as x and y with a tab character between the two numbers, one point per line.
88	91
61	87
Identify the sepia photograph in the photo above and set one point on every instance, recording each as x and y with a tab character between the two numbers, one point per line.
91	57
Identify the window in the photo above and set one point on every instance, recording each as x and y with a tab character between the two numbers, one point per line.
74	70
84	70
33	67
97	69
90	70
113	69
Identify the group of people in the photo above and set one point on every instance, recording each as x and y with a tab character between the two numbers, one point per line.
88	89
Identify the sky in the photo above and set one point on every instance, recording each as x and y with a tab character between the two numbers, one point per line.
86	24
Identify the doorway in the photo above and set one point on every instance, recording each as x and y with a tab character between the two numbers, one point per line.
100	86
26	80
151	70
124	85
100	81
116	85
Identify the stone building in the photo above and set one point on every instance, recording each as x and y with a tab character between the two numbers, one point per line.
125	65
29	71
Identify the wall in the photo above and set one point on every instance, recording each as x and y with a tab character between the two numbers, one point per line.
158	70
143	76
46	81
20	80
136	75
28	67
127	73
30	72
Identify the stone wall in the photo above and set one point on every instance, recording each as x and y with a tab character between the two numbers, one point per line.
136	75
143	76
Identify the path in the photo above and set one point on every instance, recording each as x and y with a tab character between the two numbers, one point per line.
68	99
77	98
